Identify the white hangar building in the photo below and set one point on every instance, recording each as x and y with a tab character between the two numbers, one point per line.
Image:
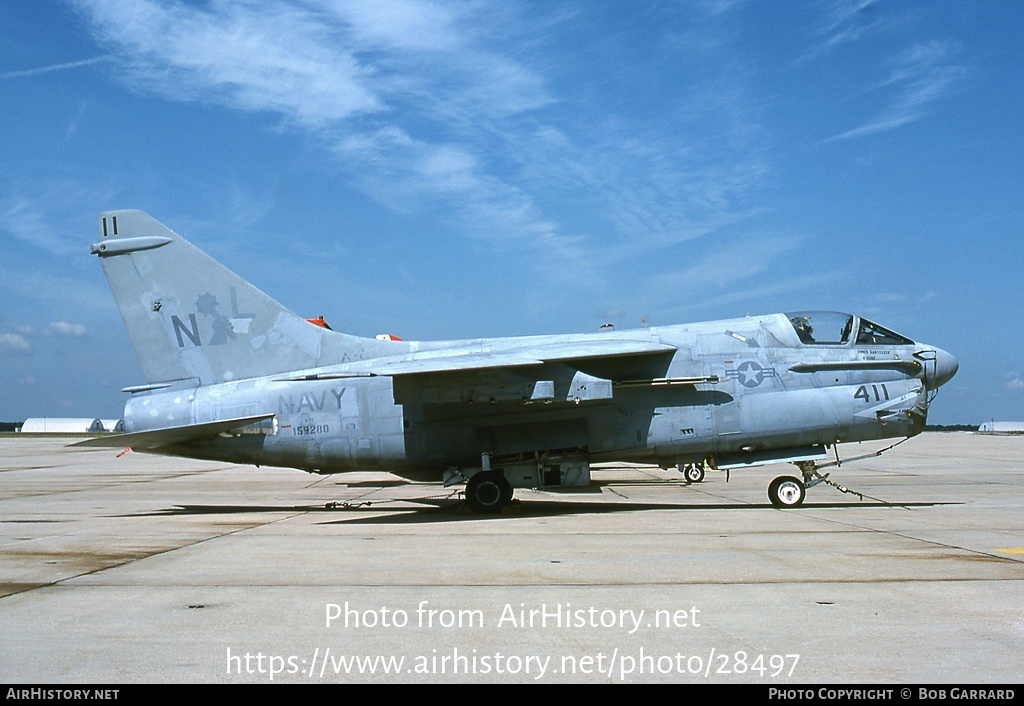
994	427
62	425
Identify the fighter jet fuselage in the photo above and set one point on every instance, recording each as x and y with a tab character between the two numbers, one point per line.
234	376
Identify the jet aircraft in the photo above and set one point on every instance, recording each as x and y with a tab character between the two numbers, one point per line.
232	375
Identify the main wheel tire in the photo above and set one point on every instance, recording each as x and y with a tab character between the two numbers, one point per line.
488	492
694	473
786	491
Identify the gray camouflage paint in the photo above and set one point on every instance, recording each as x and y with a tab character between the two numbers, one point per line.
215	348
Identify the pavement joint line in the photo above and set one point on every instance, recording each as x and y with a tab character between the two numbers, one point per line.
932	542
126	562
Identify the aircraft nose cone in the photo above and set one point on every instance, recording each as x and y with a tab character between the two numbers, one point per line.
946	366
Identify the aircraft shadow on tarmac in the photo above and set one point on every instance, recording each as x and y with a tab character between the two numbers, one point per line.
454	509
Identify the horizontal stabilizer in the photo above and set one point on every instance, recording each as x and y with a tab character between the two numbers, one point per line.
156	438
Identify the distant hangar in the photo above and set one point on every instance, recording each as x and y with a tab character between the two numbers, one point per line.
995	427
70	425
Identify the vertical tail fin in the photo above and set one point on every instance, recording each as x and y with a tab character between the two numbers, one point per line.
189	317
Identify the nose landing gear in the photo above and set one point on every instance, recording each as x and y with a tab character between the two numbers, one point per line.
789	491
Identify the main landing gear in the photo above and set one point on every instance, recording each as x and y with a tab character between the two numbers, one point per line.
488	492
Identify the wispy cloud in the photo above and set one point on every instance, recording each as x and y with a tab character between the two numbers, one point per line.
18	341
403	89
748	269
54	67
56	328
919	77
842	22
21	218
730	265
259	56
13	343
1013	381
450	109
46	213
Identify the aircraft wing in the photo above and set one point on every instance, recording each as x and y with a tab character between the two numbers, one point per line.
441	364
156	438
566	371
468	361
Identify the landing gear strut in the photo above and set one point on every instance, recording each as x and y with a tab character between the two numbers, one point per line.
488	492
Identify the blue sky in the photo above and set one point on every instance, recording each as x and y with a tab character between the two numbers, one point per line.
442	170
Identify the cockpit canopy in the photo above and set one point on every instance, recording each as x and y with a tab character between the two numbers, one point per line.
833	328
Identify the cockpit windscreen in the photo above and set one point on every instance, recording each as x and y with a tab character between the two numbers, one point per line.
874	335
833	328
822	327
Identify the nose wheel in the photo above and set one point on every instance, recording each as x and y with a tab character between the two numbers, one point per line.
786	491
